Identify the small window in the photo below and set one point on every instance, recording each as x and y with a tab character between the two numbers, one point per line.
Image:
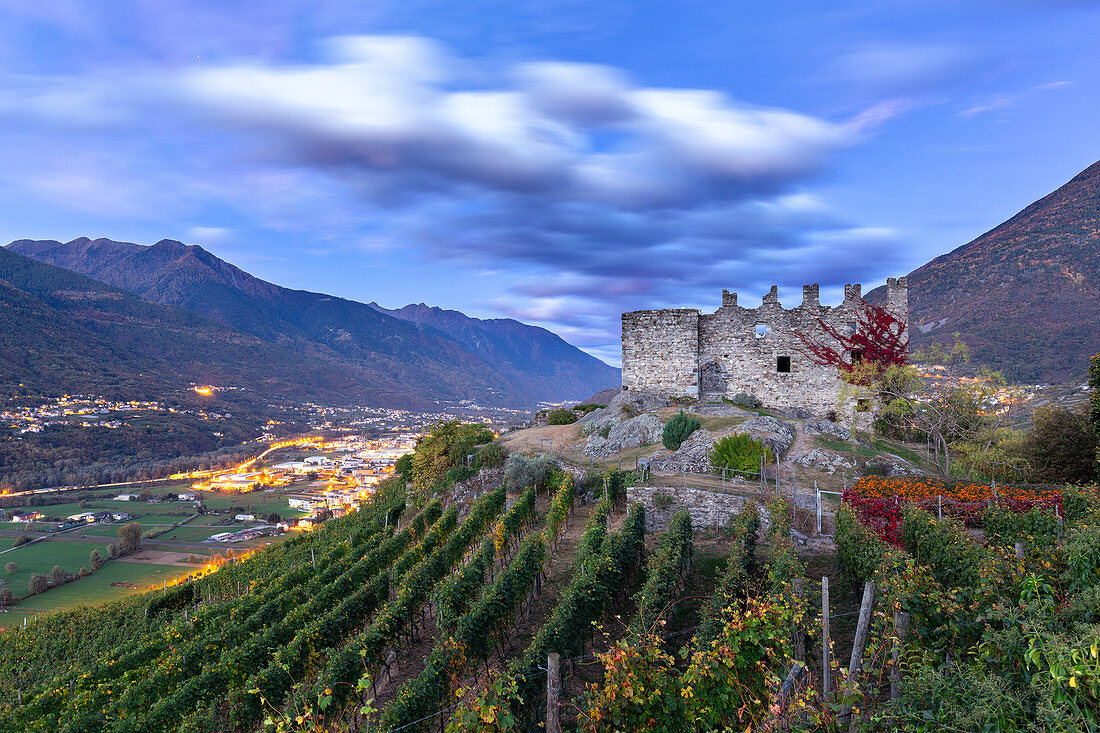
783	364
857	356
761	330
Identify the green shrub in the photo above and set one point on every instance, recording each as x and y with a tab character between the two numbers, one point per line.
458	473
663	501
1079	502
522	471
616	485
1037	527
491	456
748	401
678	429
587	407
740	452
859	550
606	430
561	416
1061	447
784	564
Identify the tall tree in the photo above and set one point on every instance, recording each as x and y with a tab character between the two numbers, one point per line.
129	536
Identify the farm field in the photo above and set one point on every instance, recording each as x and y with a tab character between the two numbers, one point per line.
40	557
96	588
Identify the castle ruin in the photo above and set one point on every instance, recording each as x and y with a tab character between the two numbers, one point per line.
685	353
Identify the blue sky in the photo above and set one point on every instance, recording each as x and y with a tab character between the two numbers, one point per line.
554	161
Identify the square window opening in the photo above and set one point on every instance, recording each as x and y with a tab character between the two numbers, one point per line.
761	330
783	364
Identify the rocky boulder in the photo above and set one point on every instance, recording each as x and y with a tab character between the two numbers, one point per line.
776	434
823	460
892	467
642	430
625	405
827	428
693	455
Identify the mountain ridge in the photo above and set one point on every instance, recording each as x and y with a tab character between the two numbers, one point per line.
366	341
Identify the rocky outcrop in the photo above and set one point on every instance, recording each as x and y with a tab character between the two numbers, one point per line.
637	431
824	460
892	467
625	405
693	455
827	428
776	434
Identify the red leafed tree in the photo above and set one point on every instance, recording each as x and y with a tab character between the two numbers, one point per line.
880	339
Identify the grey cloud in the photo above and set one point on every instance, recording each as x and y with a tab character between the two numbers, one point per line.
595	193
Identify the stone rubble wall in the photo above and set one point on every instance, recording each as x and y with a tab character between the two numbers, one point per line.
708	509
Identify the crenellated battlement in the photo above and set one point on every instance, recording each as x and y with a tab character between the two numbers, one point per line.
897	294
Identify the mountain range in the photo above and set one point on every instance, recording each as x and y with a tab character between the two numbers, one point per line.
1024	296
339	349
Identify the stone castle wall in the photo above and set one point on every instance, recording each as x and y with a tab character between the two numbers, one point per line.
735	349
661	351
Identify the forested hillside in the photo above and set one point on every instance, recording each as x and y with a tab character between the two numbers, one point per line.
66	333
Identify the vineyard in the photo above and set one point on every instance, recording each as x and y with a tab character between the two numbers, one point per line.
527	608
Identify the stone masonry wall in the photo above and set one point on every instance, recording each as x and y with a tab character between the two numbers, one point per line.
708	509
661	351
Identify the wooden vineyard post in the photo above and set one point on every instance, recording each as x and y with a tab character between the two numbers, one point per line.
901	630
553	692
826	671
855	665
862	628
1019	548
